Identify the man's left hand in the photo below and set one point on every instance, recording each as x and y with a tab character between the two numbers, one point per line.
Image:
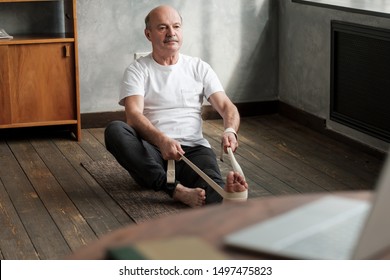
229	140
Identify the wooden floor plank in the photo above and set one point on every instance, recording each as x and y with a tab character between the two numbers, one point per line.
99	218
334	150
15	243
76	155
98	133
43	232
93	147
72	224
303	148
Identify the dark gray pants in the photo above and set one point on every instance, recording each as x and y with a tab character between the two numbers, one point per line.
147	167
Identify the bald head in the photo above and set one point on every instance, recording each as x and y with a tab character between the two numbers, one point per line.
163	9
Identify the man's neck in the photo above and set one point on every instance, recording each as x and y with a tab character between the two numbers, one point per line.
166	60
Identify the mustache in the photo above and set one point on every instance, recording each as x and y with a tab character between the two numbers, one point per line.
171	39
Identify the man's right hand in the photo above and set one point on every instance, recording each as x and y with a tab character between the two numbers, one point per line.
170	149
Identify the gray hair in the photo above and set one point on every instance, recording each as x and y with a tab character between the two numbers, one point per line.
147	21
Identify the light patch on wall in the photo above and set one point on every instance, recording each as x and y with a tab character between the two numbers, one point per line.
140	54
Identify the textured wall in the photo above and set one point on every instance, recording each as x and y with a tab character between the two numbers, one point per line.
238	38
304	59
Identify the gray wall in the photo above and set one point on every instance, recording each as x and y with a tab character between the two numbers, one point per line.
238	38
304	60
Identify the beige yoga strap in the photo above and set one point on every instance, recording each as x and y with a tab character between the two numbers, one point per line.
171	172
226	195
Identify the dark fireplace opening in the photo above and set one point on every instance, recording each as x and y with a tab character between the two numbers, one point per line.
360	78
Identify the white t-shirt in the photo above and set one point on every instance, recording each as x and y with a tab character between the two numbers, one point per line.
173	95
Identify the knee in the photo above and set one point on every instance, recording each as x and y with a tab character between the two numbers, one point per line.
113	127
118	131
114	131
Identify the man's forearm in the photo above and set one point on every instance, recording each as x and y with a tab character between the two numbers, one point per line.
231	118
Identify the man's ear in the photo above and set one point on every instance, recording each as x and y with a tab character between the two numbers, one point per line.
147	33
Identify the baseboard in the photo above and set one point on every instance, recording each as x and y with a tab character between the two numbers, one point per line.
101	119
319	124
302	117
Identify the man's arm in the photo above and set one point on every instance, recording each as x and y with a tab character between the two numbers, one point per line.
231	118
134	106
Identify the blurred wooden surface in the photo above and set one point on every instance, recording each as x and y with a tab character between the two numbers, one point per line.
210	225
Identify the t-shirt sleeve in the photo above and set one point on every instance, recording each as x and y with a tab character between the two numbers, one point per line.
132	83
210	79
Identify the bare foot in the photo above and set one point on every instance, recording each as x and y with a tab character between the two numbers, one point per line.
235	183
192	197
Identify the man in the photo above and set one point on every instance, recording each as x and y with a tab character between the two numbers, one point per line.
162	94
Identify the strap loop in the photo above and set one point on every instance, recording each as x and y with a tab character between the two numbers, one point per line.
171	172
232	130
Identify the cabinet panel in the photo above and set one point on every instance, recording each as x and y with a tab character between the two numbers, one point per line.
5	105
42	82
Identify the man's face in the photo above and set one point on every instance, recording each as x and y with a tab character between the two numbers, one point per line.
165	31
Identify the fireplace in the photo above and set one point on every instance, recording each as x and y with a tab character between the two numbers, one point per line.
360	78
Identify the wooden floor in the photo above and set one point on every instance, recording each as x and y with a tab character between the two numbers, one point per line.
50	205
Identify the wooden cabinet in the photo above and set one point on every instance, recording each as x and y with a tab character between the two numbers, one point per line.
39	69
